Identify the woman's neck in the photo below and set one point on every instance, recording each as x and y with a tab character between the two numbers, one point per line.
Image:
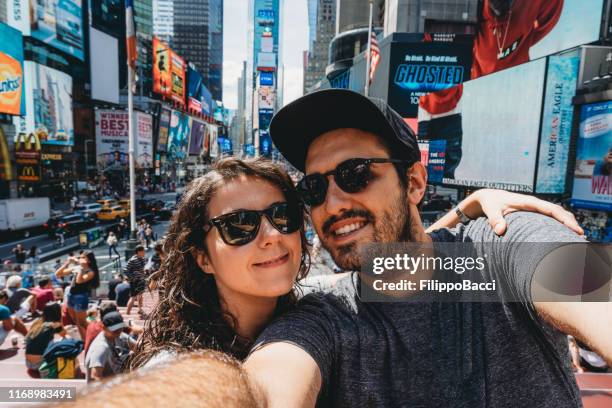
251	313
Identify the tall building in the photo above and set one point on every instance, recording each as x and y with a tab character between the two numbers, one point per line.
198	37
163	20
322	29
264	77
442	16
352	14
143	16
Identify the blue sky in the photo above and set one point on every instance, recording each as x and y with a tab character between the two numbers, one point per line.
294	41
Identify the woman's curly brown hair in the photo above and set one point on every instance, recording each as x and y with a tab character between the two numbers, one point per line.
189	315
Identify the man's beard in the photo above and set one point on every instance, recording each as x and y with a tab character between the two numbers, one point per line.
393	226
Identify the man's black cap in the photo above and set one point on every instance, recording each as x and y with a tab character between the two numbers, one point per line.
113	321
295	126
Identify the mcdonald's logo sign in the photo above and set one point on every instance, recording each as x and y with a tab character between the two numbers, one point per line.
29	173
29	142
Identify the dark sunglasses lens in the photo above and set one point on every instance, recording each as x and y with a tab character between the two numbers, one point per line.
313	189
285	217
353	176
239	228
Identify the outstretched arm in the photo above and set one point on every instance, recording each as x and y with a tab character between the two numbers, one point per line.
495	204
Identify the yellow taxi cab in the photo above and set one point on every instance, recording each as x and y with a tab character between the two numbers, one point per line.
106	203
114	213
125	204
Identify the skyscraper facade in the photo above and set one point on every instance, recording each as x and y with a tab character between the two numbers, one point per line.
323	30
163	20
198	37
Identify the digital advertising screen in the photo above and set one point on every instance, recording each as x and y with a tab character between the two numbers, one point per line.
177	70
12	90
266	78
111	139
178	136
556	131
162	78
593	173
59	23
197	137
164	126
48	105
144	139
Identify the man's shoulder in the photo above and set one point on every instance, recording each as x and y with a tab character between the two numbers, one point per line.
336	291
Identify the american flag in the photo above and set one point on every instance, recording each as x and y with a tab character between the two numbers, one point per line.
130	34
374	55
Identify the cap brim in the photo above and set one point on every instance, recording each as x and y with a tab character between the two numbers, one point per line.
118	326
296	125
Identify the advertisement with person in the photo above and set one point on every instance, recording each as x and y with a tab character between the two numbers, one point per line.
164	126
178	136
144	140
162	79
48	105
12	98
197	137
58	23
177	69
593	173
423	63
557	113
213	149
112	140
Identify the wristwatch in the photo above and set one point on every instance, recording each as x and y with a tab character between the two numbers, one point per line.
464	219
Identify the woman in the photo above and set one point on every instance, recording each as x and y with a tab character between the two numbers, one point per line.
85	276
41	333
235	251
112	242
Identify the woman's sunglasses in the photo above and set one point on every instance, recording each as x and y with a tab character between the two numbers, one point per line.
241	227
352	176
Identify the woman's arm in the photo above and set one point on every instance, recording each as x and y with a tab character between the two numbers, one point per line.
494	204
84	277
64	270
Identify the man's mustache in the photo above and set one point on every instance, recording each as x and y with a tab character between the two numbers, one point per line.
345	215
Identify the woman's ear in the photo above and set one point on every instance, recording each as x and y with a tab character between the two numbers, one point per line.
203	262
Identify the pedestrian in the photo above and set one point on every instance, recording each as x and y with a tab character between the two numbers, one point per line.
33	259
137	278
60	233
112	242
85	276
73	202
20	254
110	349
141	233
148	235
122	229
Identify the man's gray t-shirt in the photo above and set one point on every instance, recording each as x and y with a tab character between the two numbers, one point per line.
109	354
438	354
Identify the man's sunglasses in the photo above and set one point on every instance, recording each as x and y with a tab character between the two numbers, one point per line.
352	176
241	227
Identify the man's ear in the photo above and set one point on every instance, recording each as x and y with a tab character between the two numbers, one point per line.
203	262
417	183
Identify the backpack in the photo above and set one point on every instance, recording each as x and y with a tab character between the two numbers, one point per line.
60	359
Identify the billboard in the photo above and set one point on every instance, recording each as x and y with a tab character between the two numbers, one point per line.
266	97
488	144
197	138
48	105
266	60
266	31
107	16
178	136
162	63
111	139
428	63
12	91
144	140
213	132
265	117
199	97
266	78
265	143
58	23
164	126
556	130
593	173
177	70
104	66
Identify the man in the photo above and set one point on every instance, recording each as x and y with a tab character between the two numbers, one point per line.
20	254
109	350
335	349
43	293
11	322
21	301
136	276
122	291
96	327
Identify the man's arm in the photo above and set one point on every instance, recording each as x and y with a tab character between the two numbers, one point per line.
590	322
283	375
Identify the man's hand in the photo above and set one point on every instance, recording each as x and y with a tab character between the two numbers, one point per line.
283	375
96	373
